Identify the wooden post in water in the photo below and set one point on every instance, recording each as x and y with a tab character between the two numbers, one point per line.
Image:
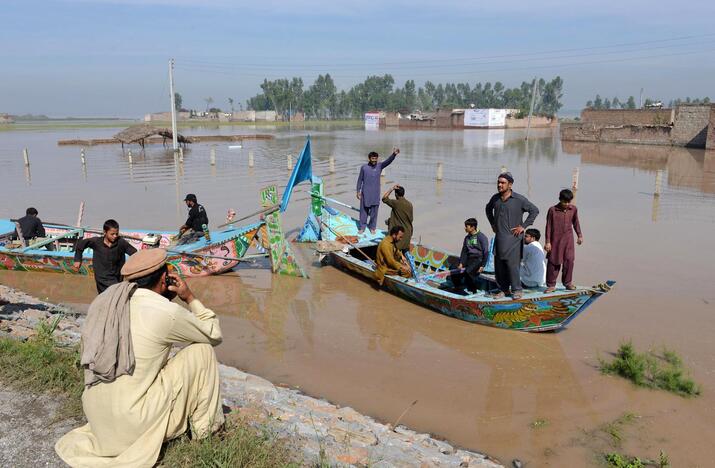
213	155
658	182
290	162
331	164
250	158
439	170
131	160
181	155
503	170
82	157
80	215
574	179
26	157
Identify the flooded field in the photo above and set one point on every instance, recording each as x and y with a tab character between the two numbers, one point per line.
538	398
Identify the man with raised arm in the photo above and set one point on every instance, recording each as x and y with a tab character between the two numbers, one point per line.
368	189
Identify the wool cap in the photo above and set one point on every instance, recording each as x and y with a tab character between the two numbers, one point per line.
190	197
507	176
143	263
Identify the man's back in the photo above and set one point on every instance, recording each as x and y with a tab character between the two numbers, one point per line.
401	215
31	227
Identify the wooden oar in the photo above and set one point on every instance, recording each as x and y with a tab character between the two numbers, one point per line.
348	242
269	210
315	195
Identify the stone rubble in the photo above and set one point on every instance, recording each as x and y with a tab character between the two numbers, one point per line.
319	430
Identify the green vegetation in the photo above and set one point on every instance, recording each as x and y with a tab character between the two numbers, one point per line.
650	370
614	429
599	103
322	100
238	445
617	460
39	365
539	423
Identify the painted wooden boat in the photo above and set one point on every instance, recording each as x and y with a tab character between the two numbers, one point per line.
433	288
200	258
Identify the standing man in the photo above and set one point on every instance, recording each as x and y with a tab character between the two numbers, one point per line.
108	255
197	217
368	189
473	258
561	222
401	215
505	212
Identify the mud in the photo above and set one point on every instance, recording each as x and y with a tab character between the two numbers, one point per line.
335	337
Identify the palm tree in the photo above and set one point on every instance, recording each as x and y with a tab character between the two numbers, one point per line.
230	103
209	100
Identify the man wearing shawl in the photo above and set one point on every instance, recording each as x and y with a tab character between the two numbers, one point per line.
505	212
135	397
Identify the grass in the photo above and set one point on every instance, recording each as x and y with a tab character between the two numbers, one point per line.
238	445
665	371
39	365
617	460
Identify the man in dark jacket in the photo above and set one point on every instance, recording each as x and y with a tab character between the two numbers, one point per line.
505	212
108	255
30	225
197	216
475	251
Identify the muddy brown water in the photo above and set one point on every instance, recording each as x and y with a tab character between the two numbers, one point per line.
335	337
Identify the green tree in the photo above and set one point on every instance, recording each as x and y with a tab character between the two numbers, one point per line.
598	102
616	103
631	103
230	103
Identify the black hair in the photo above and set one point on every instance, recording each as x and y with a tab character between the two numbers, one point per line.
471	222
566	195
373	154
31	211
534	233
110	224
151	280
395	229
400	191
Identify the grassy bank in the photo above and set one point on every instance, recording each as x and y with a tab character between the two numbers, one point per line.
39	365
663	371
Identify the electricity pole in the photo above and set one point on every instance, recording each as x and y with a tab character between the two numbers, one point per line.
174	137
531	108
641	100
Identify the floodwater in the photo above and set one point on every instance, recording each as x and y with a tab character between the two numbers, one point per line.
535	397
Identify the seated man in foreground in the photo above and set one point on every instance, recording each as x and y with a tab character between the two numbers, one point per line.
389	259
135	397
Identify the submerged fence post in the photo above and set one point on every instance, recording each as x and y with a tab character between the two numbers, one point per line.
439	170
331	164
574	179
290	162
503	170
26	157
131	160
82	157
213	155
250	158
181	155
658	182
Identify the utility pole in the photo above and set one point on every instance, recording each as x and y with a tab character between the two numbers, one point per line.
531	108
174	137
640	106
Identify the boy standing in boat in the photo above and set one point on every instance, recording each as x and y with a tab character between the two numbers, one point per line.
475	251
561	222
108	255
401	215
505	212
368	189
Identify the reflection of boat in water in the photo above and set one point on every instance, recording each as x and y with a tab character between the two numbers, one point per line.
431	285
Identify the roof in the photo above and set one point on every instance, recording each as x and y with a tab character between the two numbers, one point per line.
140	132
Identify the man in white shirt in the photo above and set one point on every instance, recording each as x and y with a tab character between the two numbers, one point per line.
533	261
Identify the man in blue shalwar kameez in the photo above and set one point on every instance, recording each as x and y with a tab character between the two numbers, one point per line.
368	189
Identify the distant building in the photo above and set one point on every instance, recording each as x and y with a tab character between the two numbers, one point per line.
166	116
6	119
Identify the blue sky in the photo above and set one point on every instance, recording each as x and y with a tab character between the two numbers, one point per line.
109	57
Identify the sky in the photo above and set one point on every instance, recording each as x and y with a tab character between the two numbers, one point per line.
109	58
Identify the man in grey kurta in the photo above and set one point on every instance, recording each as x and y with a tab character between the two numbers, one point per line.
505	212
368	189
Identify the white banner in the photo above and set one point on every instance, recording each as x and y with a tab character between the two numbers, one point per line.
372	121
476	118
497	117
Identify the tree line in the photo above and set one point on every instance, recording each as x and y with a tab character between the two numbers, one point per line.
630	103
322	100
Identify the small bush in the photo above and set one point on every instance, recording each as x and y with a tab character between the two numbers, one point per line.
649	370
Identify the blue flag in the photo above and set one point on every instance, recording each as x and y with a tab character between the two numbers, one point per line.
302	171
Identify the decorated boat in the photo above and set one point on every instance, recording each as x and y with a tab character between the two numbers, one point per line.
338	243
217	253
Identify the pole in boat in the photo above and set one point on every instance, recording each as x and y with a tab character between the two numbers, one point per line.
531	107
174	137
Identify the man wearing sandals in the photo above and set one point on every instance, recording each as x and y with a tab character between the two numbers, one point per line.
561	222
505	212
